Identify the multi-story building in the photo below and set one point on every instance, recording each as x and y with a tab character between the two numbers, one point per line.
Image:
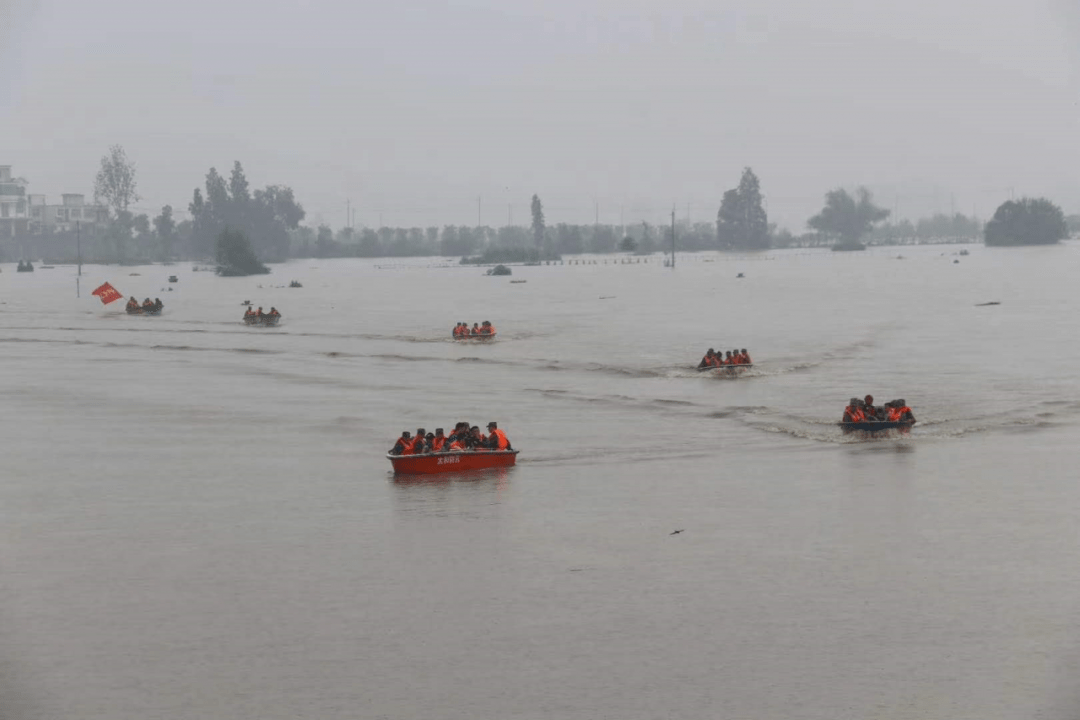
14	216
64	217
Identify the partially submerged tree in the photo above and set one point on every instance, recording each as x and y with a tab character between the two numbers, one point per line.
1028	221
742	223
847	218
266	216
115	187
235	256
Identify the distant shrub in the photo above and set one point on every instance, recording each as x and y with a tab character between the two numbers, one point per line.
236	257
1029	221
499	270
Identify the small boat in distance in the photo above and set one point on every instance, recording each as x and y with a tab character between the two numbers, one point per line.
443	462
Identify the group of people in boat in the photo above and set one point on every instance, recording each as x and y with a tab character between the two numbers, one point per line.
864	410
258	317
734	357
463	330
147	307
464	438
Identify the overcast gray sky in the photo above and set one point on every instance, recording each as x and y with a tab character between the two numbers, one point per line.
414	109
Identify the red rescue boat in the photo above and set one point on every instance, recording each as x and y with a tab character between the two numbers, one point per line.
431	463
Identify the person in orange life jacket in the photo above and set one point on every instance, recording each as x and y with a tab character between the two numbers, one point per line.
420	444
900	412
457	330
497	439
158	305
249	315
438	441
133	304
259	313
475	329
147	305
727	360
709	360
746	357
274	313
455	434
853	413
487	328
403	446
429	443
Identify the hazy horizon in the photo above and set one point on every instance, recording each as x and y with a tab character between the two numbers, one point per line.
413	112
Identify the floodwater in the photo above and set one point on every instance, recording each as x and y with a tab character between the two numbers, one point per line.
198	519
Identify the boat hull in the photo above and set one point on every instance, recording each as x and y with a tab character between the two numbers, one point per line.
725	370
432	463
475	338
875	426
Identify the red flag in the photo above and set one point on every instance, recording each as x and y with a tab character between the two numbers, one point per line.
107	293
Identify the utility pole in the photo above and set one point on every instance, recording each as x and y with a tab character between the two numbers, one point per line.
78	249
509	214
478	223
672	237
348	213
597	220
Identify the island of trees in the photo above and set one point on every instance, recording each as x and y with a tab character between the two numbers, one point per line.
1028	221
241	229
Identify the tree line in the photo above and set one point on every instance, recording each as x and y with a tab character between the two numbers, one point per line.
267	222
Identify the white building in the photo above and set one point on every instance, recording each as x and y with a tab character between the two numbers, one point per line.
14	216
72	212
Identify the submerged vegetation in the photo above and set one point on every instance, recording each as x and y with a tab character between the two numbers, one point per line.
235	256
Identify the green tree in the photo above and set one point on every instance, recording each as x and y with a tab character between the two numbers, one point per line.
741	222
537	221
144	238
628	244
115	184
266	215
1072	224
236	257
846	217
165	227
1028	221
324	242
